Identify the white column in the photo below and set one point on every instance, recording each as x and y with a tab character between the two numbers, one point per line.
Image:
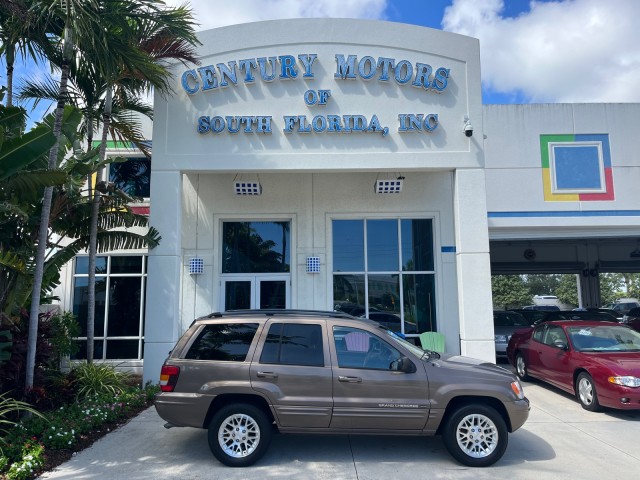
473	265
162	315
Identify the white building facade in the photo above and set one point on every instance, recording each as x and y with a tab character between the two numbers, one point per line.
314	114
348	164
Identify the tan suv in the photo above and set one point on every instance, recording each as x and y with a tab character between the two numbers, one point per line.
243	374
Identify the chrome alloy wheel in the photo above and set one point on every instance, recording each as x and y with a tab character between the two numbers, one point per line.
521	367
239	435
585	391
477	436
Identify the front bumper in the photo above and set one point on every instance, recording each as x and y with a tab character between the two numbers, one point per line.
518	413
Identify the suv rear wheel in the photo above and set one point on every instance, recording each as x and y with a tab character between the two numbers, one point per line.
239	434
475	435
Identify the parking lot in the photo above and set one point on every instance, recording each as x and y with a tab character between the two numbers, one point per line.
560	440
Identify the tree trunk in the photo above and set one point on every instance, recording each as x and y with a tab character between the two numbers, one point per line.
93	233
10	59
46	211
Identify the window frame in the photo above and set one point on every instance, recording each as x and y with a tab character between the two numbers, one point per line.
284	326
197	336
435	246
105	338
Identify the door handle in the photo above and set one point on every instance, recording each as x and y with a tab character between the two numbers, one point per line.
342	378
267	375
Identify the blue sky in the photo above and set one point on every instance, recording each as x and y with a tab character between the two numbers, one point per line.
532	51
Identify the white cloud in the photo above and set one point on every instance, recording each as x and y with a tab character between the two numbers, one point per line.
212	14
567	51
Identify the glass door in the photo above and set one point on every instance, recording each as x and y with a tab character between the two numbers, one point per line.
255	292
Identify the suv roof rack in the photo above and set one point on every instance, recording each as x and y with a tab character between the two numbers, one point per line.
280	313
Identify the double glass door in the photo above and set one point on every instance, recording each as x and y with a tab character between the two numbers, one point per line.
255	292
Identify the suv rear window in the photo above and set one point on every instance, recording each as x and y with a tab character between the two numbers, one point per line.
293	344
229	341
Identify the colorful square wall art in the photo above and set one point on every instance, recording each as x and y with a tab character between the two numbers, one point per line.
576	168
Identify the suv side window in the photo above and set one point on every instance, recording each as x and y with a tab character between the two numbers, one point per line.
293	344
230	341
357	348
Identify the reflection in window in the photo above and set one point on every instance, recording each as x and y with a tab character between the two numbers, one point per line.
256	247
132	177
119	305
348	245
357	348
348	294
398	279
382	245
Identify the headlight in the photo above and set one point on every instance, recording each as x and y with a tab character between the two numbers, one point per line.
517	389
502	338
627	381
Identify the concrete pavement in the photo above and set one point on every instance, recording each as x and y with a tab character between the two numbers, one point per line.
560	440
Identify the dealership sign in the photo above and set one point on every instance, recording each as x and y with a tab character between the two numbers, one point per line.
212	78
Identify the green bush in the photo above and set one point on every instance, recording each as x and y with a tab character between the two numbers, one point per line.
24	447
94	379
64	328
9	411
32	460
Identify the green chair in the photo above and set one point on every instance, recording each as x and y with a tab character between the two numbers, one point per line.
433	341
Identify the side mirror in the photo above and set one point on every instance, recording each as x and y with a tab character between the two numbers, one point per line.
403	364
562	345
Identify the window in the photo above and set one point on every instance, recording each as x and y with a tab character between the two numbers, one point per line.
293	344
554	334
357	348
227	342
538	333
386	266
119	305
256	247
132	177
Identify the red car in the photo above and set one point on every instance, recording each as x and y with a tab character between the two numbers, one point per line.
597	361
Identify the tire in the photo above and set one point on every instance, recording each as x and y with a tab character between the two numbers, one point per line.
475	435
586	392
239	434
521	368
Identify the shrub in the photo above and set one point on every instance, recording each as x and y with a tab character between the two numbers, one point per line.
94	379
10	409
63	329
32	460
26	445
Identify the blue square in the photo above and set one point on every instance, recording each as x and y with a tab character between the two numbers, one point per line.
577	167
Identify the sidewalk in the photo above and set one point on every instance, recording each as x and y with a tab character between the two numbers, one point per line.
560	440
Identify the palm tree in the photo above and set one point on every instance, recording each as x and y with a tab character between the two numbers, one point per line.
83	36
156	37
20	32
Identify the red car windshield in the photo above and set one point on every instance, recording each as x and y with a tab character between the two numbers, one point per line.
605	338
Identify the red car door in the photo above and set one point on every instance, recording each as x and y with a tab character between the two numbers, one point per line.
555	365
532	349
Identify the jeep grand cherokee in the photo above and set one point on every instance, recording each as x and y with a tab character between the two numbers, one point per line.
243	374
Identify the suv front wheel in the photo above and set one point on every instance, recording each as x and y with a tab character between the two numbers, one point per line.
239	434
475	435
